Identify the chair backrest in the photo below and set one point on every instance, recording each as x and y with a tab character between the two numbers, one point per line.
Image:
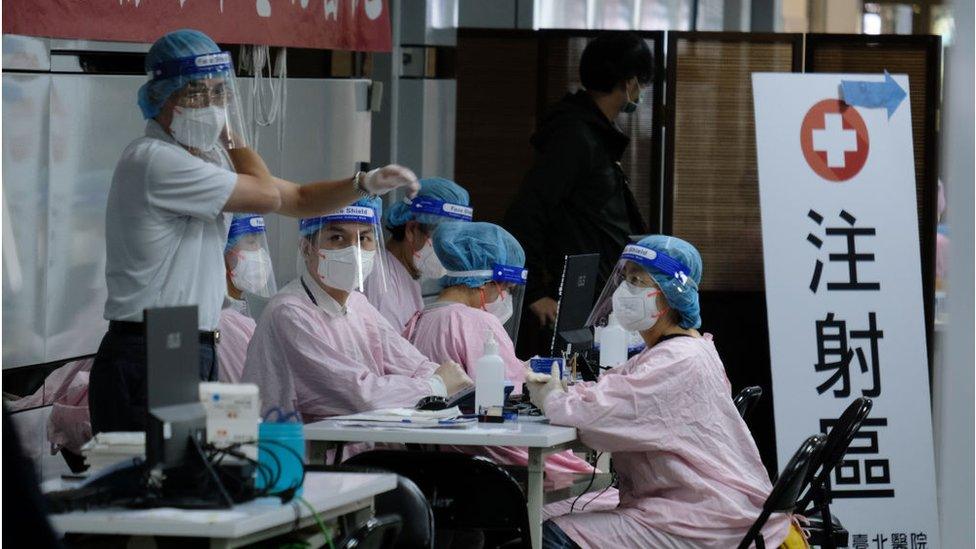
465	492
375	533
406	500
794	478
835	446
746	400
785	493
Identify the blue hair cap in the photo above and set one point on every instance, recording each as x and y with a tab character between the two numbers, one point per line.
472	247
170	47
439	200
680	276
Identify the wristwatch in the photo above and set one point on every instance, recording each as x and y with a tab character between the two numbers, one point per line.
357	185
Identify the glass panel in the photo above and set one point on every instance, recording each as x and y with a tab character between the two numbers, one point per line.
25	202
81	175
665	14
560	14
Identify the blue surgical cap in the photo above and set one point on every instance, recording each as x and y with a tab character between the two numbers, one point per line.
438	191
354	213
475	247
683	298
175	45
241	226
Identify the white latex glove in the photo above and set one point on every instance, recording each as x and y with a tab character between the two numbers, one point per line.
541	385
454	376
383	180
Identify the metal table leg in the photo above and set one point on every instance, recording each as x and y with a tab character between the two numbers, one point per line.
534	495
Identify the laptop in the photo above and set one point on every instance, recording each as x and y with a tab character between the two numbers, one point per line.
172	381
576	294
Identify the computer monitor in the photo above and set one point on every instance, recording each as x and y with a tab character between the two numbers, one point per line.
576	294
172	383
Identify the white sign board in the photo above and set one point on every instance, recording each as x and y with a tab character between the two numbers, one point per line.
844	293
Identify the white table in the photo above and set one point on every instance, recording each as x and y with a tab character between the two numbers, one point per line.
540	438
333	495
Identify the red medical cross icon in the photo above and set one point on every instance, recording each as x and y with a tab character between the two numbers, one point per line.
834	140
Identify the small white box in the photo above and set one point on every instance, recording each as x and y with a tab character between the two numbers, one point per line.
233	414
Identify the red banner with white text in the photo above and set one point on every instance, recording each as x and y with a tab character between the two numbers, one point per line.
360	25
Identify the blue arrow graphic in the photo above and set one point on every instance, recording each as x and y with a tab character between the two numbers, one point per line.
887	94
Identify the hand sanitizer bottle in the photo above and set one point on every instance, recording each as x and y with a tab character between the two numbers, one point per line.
489	377
613	344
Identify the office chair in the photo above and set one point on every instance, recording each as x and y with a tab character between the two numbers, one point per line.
825	530
746	400
469	494
405	501
785	493
376	533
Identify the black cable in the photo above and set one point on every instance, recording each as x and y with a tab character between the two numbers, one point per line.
287	493
298	458
268	485
264	469
613	481
572	507
212	473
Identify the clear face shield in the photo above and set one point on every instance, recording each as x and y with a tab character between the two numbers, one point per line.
344	249
428	212
247	258
631	293
207	108
502	295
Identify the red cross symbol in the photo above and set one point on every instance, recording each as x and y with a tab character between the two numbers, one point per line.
834	140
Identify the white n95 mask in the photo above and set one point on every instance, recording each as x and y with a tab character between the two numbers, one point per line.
635	307
341	270
252	271
502	307
427	263
198	128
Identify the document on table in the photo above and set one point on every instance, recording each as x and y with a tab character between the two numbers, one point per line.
449	418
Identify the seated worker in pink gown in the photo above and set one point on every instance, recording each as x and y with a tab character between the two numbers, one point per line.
320	349
689	471
484	265
249	273
410	255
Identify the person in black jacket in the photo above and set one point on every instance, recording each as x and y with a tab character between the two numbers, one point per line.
576	197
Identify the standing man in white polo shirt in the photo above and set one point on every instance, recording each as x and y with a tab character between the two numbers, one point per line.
168	214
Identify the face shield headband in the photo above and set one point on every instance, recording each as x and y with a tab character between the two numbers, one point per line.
349	214
653	260
433	206
498	273
210	63
245	225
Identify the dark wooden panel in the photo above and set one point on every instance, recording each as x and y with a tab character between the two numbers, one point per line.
712	188
497	95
